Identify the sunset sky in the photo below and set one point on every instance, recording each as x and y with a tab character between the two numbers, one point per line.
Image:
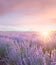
27	15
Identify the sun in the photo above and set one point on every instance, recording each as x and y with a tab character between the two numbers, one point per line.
45	36
45	33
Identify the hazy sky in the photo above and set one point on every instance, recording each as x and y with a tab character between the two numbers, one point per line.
27	14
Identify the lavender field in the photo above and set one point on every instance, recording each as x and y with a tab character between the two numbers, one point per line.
27	48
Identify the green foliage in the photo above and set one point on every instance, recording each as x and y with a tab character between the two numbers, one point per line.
28	62
22	51
48	60
40	61
11	62
3	50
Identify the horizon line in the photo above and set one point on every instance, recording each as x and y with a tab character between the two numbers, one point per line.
26	28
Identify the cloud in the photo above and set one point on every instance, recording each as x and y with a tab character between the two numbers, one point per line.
27	12
26	5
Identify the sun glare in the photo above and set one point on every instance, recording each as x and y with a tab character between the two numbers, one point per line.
45	33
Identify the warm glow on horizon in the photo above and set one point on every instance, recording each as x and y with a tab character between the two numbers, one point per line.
45	34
